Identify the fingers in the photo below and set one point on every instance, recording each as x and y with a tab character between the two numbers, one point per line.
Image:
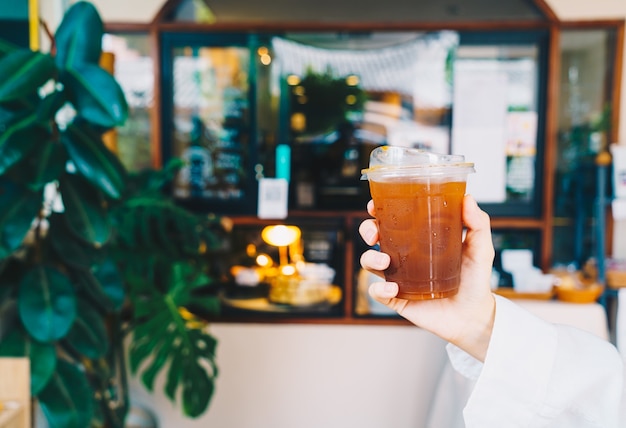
370	208
375	261
369	231
473	217
478	224
383	292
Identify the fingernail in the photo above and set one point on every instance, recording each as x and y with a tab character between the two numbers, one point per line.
381	260
389	288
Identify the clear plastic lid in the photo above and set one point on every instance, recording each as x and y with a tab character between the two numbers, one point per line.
393	160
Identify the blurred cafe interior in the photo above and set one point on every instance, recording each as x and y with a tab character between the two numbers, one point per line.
274	107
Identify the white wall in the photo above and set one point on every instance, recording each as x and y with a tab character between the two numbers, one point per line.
339	376
311	376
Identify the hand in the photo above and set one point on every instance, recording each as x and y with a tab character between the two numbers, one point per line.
465	319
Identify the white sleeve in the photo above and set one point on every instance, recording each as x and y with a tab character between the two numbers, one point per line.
538	374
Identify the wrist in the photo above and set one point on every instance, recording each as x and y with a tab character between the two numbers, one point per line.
476	336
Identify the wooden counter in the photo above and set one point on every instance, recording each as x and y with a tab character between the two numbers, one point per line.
15	393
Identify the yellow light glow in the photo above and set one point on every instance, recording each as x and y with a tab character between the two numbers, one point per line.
250	250
280	235
293	80
352	80
266	59
298	122
350	100
262	50
288	270
264	260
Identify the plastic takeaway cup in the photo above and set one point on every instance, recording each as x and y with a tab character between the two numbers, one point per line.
418	198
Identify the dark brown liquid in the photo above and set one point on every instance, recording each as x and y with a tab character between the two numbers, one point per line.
421	229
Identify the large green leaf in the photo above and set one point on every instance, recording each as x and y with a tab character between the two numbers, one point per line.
74	252
67	400
93	160
10	115
42	357
22	72
7	47
149	222
88	334
197	388
96	95
162	334
89	287
110	278
18	209
79	36
85	212
50	105
19	139
47	303
42	166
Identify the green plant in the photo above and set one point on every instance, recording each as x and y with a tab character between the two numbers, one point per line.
166	256
325	100
76	276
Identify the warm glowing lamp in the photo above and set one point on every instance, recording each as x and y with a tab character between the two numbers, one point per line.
264	260
352	80
281	236
293	80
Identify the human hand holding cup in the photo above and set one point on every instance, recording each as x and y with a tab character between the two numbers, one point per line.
418	197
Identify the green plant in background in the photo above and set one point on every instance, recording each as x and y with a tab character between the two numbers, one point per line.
89	252
325	100
164	253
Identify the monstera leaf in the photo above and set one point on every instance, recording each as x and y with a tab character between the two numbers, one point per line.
166	332
149	222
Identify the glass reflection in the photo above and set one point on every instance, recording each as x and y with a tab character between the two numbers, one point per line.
133	69
584	128
344	94
211	121
495	119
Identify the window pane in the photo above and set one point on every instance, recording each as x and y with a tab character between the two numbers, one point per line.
495	119
584	126
344	94
134	71
211	123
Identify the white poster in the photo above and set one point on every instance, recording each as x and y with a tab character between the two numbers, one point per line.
479	129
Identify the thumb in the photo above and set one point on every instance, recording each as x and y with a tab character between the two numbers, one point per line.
478	239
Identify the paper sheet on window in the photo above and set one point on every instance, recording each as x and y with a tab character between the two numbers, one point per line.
479	130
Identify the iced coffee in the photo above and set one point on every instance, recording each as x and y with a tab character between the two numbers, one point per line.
418	198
